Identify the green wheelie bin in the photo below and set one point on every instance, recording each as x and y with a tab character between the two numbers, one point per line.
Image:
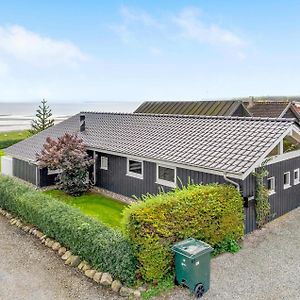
192	265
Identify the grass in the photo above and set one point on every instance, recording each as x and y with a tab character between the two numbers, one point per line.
12	135
104	209
1	154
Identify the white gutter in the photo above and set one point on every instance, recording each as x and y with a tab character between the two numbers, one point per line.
232	182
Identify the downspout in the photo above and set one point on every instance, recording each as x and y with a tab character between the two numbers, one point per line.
232	182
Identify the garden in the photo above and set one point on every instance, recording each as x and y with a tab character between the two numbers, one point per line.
130	242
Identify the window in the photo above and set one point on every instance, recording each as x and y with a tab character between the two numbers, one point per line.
104	163
286	180
296	176
135	168
271	185
166	176
53	172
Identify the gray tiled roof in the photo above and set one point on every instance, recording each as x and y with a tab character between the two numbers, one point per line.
227	144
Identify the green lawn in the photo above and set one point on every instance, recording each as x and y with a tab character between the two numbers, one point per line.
106	210
12	135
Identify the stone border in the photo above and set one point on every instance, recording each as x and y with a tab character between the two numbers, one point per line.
104	279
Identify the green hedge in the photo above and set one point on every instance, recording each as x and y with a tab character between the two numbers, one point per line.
103	247
7	143
212	213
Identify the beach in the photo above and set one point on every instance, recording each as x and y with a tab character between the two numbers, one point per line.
18	115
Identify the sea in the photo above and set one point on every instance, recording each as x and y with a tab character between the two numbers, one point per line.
18	116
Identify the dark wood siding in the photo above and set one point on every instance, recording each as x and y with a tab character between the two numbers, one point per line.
45	179
283	201
24	170
116	180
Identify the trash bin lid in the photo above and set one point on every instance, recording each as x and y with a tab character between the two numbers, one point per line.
191	248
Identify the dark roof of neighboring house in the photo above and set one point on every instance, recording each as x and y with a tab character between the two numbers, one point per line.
272	109
223	144
207	108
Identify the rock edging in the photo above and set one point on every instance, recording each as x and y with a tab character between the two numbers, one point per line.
104	279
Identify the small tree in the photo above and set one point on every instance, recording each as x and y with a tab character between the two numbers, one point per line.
43	119
68	154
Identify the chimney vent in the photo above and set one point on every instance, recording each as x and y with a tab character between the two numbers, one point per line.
82	123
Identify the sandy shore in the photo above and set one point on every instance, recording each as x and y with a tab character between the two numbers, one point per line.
12	123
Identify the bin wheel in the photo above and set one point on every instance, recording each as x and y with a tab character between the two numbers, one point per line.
199	290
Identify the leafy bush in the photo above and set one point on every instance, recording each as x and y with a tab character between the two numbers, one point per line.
104	248
212	213
7	143
228	245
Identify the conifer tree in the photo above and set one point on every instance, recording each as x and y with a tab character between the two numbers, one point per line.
43	118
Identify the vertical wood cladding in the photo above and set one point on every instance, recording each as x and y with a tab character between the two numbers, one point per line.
24	170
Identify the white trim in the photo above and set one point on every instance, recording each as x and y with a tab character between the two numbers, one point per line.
36	176
283	157
272	191
171	184
287	185
53	172
298	180
104	166
133	174
272	159
95	168
285	110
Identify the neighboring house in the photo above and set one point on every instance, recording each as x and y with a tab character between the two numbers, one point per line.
243	107
205	108
273	109
144	153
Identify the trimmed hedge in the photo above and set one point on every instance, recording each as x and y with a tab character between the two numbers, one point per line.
212	213
103	247
7	143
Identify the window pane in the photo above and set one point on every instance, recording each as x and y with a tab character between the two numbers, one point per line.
166	174
104	163
135	166
296	174
269	184
286	178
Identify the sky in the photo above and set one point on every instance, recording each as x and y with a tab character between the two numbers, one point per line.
74	51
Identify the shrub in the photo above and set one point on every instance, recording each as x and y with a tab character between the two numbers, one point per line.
212	213
103	247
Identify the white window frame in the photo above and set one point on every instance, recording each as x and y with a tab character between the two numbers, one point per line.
273	185
166	182
287	185
103	162
133	174
296	181
54	172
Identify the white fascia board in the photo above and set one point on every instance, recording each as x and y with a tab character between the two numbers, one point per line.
275	158
33	162
285	110
171	164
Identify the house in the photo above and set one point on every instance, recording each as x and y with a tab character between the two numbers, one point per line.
205	108
144	153
243	107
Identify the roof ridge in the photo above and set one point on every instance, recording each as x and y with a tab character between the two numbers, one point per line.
291	120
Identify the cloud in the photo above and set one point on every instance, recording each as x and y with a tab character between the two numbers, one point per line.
141	17
140	29
192	27
23	45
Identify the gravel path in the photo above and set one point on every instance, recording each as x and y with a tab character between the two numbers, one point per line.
30	271
267	268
